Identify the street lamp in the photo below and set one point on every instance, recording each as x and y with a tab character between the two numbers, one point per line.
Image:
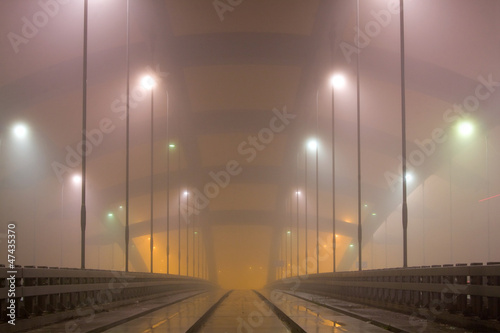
297	194
198	250
186	194
312	144
127	148
404	210
148	82
179	234
465	128
83	209
336	81
289	232
305	210
179	212
358	137
194	249
171	145
286	255
317	184
289	239
196	243
20	131
76	180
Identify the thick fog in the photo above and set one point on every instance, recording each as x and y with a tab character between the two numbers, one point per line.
226	153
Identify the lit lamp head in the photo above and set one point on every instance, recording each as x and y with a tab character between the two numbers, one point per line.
409	177
312	144
77	179
20	131
148	82
465	128
337	81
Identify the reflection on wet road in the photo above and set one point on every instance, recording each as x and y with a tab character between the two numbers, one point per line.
174	318
243	311
318	319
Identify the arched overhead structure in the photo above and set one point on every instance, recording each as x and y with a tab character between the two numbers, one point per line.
243	81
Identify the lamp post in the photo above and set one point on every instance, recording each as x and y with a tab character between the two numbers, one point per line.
152	179
297	194
148	83
358	133
290	233
179	211
198	245
403	136
179	232
286	255
317	185
194	246
334	241
77	180
298	234
488	192
337	81
62	223
287	205
83	209
289	239
305	204
197	233
194	250
170	145
313	145
20	133
127	148
186	194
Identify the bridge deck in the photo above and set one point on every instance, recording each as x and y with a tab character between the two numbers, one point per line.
244	311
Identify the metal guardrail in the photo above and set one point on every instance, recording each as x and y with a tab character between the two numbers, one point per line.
42	290
469	290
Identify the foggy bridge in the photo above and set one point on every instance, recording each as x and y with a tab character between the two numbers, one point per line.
249	166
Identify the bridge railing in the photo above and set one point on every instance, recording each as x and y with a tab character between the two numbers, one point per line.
40	290
470	290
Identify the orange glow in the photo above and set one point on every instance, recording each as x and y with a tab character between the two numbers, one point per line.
236	273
